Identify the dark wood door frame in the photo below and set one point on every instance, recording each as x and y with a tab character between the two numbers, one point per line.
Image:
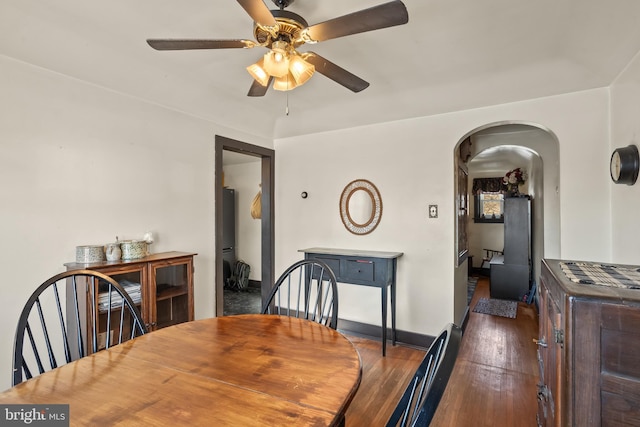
267	230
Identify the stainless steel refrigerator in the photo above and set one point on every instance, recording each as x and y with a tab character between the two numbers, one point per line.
229	226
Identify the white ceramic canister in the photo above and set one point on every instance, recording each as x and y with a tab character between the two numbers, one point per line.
88	254
113	251
133	249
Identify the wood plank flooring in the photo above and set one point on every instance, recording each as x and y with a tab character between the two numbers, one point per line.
493	383
383	381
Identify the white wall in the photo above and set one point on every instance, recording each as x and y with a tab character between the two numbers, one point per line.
625	200
411	163
245	179
80	165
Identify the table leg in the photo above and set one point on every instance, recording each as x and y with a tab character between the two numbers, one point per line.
384	321
393	313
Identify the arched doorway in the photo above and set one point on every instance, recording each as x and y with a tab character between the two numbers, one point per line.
492	150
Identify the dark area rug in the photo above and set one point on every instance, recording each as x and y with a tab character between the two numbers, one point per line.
242	302
497	307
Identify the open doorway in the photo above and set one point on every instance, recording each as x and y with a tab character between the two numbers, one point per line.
266	158
491	151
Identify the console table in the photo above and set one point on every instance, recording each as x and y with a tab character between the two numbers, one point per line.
367	268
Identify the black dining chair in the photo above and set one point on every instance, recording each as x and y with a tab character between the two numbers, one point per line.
420	399
307	289
69	316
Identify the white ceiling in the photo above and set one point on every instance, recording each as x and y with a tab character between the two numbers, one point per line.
452	55
500	159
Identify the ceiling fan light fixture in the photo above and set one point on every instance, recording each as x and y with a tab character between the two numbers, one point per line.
300	69
285	83
280	49
282	32
276	66
276	61
258	72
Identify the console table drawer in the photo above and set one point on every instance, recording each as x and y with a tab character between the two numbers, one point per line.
332	263
359	270
366	271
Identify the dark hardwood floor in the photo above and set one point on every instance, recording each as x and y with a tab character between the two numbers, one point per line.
493	383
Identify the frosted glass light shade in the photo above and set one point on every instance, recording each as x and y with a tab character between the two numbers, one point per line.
258	72
285	83
276	65
300	69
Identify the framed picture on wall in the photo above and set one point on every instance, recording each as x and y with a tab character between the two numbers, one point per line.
462	210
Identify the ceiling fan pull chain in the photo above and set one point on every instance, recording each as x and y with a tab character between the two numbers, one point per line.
286	110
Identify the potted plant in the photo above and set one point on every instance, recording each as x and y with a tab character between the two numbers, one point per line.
512	180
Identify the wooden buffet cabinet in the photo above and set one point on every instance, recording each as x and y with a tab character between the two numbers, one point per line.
588	352
162	287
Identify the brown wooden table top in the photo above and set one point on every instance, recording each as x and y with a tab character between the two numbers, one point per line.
226	371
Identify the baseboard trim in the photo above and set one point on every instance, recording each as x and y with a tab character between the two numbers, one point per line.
465	320
374	332
254	284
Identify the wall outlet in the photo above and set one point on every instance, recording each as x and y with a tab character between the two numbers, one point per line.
102	339
433	211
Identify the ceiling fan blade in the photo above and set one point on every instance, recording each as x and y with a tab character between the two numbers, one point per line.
257	89
179	44
335	73
259	12
374	18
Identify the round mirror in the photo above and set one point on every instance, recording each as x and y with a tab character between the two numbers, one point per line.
360	207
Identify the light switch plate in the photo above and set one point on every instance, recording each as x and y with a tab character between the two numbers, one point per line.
433	211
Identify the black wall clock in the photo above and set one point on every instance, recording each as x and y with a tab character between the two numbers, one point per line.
624	165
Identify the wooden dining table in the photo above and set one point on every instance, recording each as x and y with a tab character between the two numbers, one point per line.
244	370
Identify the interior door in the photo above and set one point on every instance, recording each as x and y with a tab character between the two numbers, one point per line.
267	157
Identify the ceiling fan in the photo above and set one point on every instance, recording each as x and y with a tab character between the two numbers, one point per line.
282	32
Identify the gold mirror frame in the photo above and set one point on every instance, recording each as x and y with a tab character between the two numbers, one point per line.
376	211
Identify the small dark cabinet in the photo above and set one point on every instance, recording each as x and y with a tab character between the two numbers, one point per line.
367	268
510	274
